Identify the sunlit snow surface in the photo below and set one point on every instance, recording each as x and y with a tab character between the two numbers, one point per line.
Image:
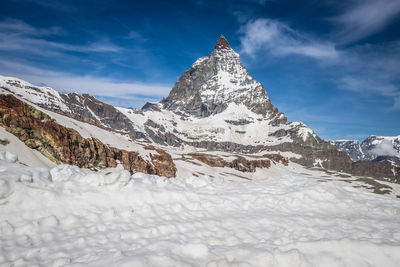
70	217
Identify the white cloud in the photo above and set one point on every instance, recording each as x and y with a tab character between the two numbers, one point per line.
136	92
371	70
17	27
137	36
365	18
385	148
279	39
15	35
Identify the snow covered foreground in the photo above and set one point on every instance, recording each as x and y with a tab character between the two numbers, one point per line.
66	216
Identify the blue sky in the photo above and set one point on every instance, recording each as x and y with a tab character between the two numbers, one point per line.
334	65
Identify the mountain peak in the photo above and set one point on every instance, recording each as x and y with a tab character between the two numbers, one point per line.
222	43
213	82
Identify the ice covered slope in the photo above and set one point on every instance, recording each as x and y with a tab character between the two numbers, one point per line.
26	155
213	82
236	124
291	218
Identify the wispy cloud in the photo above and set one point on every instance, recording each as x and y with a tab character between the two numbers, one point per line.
137	36
132	93
385	148
365	18
18	27
16	35
368	85
371	70
278	39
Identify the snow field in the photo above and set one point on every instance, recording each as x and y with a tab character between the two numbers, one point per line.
66	216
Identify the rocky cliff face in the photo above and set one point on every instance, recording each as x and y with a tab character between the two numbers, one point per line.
352	148
64	145
213	82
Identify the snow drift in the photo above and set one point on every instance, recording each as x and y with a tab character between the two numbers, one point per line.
69	216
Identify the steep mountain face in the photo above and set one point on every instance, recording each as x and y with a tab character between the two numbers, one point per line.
351	147
374	148
81	107
213	82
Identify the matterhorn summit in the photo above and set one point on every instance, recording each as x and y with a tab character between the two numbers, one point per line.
213	82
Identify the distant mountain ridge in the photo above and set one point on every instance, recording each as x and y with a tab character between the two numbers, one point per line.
373	148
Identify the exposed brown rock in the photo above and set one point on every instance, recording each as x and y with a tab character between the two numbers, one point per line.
240	163
4	142
244	165
277	158
210	160
64	145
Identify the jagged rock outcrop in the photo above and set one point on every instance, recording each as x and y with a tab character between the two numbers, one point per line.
351	147
64	145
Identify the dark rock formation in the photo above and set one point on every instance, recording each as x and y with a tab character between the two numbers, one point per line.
87	108
240	163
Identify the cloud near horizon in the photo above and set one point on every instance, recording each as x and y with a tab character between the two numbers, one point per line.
130	93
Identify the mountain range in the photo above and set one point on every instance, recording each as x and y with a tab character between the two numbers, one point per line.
217	117
373	148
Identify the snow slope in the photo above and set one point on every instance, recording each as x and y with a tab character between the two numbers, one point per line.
39	95
235	124
69	217
25	155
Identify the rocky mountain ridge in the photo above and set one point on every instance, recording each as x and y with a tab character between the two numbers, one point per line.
373	148
83	107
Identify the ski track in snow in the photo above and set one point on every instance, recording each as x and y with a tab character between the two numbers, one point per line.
68	216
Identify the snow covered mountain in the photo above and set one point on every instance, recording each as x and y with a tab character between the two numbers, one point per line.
351	147
213	82
216	114
373	148
216	104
